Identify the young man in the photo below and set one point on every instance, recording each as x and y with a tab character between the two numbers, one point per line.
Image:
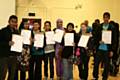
103	51
8	58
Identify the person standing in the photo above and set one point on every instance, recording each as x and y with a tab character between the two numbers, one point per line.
58	51
8	58
49	55
104	51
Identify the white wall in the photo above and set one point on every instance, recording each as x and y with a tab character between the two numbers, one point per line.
65	9
7	8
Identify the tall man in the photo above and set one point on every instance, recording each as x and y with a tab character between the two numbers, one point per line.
8	58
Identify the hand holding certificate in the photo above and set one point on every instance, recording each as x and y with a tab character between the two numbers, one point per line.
18	43
58	35
83	40
26	36
39	40
106	37
49	37
69	39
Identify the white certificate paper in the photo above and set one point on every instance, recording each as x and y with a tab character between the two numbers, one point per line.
26	36
83	40
69	39
58	35
106	37
18	43
39	40
49	37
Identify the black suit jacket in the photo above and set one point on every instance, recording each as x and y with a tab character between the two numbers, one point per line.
5	37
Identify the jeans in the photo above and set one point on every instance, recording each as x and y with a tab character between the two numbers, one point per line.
67	69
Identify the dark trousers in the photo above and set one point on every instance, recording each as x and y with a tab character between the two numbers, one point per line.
35	67
104	57
12	66
49	57
3	67
83	66
22	73
8	63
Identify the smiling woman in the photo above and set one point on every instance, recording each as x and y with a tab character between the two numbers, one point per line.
7	8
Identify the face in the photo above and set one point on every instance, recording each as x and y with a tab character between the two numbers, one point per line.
36	26
47	26
83	27
106	19
59	24
13	23
70	28
26	25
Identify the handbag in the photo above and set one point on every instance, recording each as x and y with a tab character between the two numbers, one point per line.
75	57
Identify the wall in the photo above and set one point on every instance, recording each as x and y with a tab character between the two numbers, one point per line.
7	8
69	10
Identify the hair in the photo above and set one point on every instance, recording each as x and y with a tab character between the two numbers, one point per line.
13	17
37	21
22	24
106	14
70	24
47	22
83	24
97	20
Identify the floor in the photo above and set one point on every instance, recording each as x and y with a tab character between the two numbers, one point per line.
75	72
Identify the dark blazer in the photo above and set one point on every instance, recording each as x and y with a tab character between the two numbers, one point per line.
98	37
5	37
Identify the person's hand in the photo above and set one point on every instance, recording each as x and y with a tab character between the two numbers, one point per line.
73	44
101	42
86	48
111	54
11	43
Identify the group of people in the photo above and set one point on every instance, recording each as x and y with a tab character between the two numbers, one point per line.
65	56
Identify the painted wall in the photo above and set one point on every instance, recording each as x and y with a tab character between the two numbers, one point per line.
69	10
7	8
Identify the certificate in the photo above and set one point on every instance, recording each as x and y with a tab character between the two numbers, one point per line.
26	36
83	40
69	39
18	43
39	40
58	35
49	37
106	37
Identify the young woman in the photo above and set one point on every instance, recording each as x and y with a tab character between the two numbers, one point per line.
37	53
49	54
23	59
66	54
84	57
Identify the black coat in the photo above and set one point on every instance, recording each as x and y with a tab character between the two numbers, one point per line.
98	37
5	37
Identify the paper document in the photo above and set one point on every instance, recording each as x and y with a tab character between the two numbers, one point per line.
49	37
58	35
69	39
39	40
26	36
83	40
18	43
106	37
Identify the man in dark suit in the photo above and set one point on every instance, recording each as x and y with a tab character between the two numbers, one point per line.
8	58
103	51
